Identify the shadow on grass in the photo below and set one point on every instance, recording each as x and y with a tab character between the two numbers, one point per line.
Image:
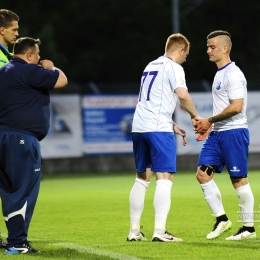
64	253
68	250
244	244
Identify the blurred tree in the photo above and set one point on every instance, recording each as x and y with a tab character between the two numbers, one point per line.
236	17
113	40
96	40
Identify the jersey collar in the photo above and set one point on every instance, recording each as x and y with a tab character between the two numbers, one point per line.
225	66
167	57
3	47
14	59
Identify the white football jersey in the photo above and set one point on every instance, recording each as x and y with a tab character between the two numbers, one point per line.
229	83
157	100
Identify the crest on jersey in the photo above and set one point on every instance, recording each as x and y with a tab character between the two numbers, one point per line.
218	87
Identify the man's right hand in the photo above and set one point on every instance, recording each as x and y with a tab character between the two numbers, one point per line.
47	64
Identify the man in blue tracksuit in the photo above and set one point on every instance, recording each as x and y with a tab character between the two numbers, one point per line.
24	121
8	34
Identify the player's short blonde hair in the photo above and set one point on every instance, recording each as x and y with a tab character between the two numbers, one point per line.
176	41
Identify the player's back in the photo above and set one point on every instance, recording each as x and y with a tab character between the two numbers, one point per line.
157	100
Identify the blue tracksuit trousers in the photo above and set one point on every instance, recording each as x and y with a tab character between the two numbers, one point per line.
20	176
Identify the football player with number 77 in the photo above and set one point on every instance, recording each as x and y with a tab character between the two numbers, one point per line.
162	85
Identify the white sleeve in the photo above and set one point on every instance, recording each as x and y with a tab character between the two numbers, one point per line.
237	86
176	76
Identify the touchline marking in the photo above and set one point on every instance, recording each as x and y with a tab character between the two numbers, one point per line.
92	250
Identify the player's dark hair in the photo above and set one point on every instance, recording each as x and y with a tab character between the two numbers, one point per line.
22	45
217	33
7	17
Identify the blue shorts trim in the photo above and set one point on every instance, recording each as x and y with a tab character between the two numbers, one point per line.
227	148
156	150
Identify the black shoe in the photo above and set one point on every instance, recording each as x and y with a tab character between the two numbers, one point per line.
24	248
2	244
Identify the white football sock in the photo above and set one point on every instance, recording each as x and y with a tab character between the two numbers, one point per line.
246	204
162	204
136	199
213	197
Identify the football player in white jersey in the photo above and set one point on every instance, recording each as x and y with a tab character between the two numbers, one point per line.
228	141
162	84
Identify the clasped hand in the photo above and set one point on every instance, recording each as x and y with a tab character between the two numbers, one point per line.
202	127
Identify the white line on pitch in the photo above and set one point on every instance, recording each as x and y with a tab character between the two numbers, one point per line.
92	250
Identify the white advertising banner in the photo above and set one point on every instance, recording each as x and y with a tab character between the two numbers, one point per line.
203	103
107	123
253	119
64	138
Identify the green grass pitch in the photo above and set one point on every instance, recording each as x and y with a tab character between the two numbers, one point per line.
86	216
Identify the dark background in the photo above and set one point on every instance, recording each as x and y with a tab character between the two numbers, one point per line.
104	45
